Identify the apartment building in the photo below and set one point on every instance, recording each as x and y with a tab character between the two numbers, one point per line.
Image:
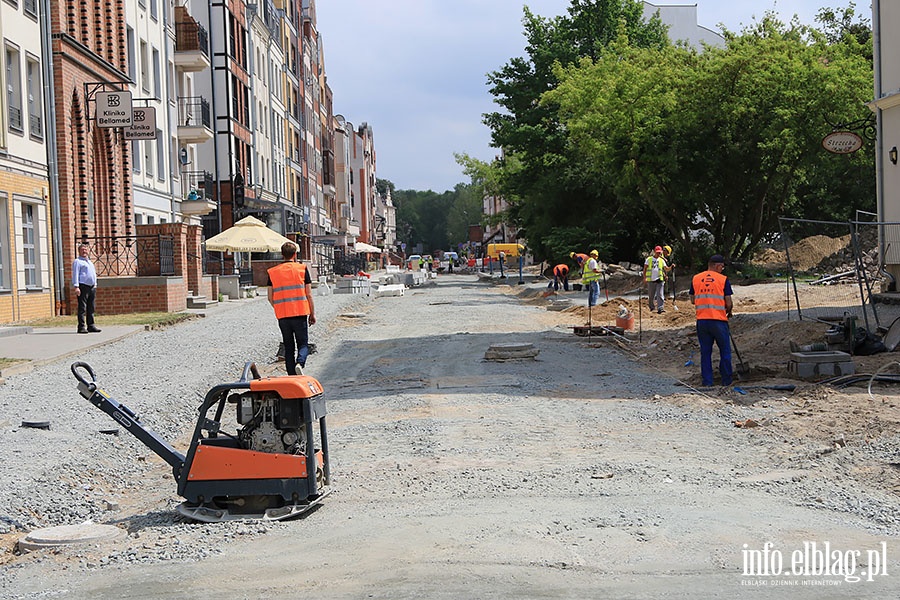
27	285
235	117
164	49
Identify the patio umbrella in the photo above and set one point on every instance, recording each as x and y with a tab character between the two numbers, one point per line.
363	247
248	235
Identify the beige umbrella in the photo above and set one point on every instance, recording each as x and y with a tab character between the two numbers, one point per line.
248	235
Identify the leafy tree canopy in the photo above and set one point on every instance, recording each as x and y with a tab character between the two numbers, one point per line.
724	141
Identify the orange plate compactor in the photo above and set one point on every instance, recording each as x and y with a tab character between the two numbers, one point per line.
269	468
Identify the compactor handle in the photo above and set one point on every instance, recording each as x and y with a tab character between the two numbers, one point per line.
85	387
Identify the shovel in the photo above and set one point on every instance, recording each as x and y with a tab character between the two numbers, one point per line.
742	368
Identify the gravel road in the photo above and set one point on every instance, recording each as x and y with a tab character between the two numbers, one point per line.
582	473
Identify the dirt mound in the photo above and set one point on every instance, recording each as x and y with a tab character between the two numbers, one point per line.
805	254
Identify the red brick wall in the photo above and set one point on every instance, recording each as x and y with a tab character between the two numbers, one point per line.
117	295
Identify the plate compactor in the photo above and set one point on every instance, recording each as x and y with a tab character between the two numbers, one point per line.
269	469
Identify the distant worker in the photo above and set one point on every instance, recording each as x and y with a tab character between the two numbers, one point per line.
502	259
670	262
655	270
711	296
561	275
290	294
590	275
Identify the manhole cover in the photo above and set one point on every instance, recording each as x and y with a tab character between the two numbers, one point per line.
64	535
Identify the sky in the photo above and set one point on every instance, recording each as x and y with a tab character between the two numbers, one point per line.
416	70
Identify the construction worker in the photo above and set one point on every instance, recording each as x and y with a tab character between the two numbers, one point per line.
579	258
591	275
670	262
561	274
711	296
655	269
290	294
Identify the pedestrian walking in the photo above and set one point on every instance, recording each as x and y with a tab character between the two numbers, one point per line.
711	296
561	275
290	294
655	270
84	280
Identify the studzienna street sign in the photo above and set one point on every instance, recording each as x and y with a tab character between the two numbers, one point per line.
842	142
143	126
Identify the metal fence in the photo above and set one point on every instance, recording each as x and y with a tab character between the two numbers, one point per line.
133	256
841	284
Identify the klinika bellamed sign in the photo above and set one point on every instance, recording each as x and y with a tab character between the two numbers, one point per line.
842	142
114	109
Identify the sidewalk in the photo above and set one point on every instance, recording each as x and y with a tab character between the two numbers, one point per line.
41	345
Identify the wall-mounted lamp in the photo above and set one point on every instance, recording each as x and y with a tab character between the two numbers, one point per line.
892	154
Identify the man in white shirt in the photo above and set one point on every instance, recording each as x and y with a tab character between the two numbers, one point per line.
84	280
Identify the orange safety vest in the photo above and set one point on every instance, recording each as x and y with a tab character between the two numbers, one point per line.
709	295
289	289
584	258
561	270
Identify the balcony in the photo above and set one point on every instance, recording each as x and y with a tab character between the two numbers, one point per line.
193	120
191	44
198	199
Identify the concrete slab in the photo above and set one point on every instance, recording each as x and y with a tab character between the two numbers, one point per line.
67	535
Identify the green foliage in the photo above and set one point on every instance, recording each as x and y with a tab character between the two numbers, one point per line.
726	140
437	221
546	179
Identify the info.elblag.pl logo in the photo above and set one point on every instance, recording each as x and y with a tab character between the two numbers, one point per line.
812	564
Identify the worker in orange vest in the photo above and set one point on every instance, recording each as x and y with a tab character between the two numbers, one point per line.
290	294
561	274
711	296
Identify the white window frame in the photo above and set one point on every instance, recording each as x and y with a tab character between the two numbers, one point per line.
31	246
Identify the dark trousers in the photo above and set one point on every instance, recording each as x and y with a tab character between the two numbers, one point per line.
565	282
295	335
86	306
711	331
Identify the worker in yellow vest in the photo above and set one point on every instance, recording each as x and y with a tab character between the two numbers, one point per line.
290	294
655	269
590	275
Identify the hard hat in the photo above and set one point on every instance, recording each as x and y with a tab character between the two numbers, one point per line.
594	253
668	249
571	255
658	249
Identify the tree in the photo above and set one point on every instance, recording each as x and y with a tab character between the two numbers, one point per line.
543	176
722	141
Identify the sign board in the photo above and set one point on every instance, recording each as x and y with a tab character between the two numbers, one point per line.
143	124
113	109
842	142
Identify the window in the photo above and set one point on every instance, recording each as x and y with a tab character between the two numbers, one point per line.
14	89
29	246
30	7
135	156
157	75
148	157
4	244
129	40
138	219
145	67
35	106
154	10
160	155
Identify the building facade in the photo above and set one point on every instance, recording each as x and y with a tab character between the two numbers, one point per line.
27	262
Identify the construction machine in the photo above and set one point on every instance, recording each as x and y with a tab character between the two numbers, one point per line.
274	465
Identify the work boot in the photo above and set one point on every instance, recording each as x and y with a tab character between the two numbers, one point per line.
82	330
93	329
